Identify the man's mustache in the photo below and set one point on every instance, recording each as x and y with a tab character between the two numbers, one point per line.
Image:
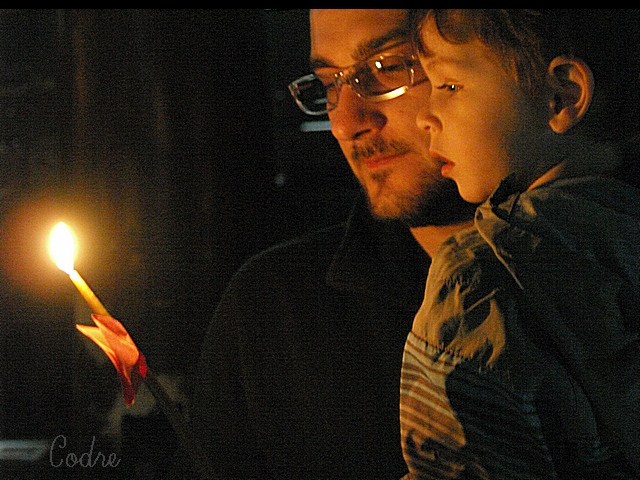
377	146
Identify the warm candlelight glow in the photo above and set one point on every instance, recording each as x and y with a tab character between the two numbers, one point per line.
62	249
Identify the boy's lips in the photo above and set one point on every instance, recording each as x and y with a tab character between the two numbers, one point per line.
445	170
447	165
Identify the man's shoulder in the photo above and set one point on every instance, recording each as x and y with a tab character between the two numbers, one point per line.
323	241
294	258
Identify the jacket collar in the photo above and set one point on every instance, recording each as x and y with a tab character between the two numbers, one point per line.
378	258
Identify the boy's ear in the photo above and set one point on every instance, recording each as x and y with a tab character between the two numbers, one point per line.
572	84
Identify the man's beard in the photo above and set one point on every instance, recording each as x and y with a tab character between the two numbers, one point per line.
433	201
439	204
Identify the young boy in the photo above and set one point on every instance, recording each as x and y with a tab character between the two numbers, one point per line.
524	358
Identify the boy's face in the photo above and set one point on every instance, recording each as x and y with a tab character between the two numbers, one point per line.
386	150
478	120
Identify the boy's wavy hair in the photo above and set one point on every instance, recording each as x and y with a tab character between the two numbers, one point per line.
608	40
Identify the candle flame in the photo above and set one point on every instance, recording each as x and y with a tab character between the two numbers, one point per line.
62	247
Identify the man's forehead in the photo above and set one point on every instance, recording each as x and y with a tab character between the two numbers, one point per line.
340	37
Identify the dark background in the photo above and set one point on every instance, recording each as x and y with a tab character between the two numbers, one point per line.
168	141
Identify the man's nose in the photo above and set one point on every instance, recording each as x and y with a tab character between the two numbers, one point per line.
353	116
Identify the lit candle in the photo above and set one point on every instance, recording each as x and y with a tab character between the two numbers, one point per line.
111	336
63	251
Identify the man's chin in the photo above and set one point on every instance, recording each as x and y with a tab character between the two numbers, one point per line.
384	208
444	209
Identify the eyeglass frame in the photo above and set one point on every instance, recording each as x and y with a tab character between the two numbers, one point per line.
344	77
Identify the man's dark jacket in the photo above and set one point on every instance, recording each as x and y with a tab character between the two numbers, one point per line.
300	368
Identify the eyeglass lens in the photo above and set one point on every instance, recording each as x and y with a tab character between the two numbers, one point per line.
318	94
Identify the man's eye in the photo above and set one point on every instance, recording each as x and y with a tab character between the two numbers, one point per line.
390	67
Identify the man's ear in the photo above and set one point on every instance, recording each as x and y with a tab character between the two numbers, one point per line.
572	85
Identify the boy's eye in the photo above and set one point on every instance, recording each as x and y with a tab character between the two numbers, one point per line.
450	87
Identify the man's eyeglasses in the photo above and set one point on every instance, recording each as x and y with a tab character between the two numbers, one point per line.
381	77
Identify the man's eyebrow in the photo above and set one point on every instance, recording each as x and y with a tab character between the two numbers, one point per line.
365	49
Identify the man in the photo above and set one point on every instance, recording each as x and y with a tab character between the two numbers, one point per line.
300	368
